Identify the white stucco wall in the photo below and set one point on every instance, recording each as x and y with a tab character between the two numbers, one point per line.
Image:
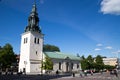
31	52
63	65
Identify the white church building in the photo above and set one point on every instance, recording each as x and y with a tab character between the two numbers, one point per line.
31	50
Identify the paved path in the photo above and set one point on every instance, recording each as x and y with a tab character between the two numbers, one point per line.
98	76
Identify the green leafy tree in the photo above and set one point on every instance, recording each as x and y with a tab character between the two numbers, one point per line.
90	59
7	56
47	64
50	48
99	62
84	63
82	57
90	62
108	67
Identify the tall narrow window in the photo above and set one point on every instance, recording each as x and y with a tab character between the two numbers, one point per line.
26	40
36	52
38	41
77	66
35	40
71	65
59	65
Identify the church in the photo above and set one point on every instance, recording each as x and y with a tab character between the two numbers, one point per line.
31	50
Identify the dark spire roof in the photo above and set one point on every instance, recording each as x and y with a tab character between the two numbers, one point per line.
33	21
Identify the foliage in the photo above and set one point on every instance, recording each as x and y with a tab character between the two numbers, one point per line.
7	56
99	61
84	64
47	64
108	67
82	57
50	48
90	61
93	63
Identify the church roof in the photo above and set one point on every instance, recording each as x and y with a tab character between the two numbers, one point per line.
33	21
60	55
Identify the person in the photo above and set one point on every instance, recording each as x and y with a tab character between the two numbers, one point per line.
115	72
101	71
85	72
73	74
91	72
81	73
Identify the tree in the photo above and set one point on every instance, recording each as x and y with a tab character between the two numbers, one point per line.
99	62
47	64
108	67
84	63
82	57
7	56
90	62
90	59
50	48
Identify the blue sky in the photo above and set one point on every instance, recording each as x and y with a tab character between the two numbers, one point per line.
86	27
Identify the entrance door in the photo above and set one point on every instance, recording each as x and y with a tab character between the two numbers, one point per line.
24	70
67	66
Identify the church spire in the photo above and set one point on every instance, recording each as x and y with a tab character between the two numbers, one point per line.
33	20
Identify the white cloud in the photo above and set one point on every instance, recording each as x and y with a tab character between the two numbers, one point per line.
118	51
97	49
99	45
110	7
114	52
108	47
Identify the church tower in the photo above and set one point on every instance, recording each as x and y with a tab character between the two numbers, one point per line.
31	45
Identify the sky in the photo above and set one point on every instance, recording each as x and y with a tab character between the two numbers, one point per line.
84	27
